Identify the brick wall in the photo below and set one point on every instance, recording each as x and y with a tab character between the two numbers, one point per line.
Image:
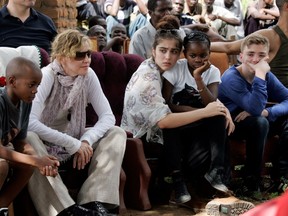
62	12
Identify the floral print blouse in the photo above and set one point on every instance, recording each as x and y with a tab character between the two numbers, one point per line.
144	105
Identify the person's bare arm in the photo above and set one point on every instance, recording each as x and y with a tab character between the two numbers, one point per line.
113	9
262	15
213	36
114	41
142	7
174	120
197	26
25	154
231	21
231	48
273	12
15	156
208	93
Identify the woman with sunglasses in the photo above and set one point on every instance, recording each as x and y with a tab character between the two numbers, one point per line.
147	115
57	124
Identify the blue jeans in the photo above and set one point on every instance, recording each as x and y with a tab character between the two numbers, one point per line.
254	130
280	128
195	146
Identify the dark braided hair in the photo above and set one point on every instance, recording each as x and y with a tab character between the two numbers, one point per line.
196	36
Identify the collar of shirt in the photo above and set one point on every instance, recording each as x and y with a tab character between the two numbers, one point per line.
5	13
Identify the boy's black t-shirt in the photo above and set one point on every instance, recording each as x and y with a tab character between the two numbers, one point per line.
13	120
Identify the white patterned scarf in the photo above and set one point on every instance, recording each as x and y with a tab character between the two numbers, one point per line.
67	93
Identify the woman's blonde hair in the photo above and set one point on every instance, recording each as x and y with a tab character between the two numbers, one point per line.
68	43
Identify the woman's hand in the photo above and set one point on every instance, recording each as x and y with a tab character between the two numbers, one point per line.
82	156
215	108
48	165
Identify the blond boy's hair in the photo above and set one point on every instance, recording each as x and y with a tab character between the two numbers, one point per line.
255	39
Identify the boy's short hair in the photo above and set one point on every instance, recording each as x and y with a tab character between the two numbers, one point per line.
255	39
19	64
118	25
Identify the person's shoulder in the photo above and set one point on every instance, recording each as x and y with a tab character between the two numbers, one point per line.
179	67
147	65
3	11
224	11
176	68
181	62
144	28
229	73
47	72
270	76
141	32
269	33
213	68
41	15
91	73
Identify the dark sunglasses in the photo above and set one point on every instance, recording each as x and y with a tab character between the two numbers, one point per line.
82	55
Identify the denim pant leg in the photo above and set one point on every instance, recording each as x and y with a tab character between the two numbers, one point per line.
204	143
254	130
216	131
185	144
172	151
280	127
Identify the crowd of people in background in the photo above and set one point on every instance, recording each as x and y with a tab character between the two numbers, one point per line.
194	129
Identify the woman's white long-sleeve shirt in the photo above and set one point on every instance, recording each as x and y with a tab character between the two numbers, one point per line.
56	133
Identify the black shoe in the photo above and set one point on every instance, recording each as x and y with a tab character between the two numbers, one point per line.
215	179
77	210
3	211
112	209
181	192
250	188
98	208
278	187
283	185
